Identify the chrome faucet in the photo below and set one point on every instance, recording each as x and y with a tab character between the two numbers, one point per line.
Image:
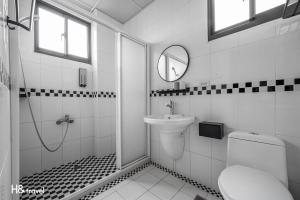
171	105
66	118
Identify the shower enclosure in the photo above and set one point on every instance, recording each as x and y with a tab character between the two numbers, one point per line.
103	121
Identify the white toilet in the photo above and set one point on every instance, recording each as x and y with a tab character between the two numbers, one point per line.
256	168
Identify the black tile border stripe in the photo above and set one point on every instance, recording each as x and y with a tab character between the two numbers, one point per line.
279	85
66	93
4	75
135	171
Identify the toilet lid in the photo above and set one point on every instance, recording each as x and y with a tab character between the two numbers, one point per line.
244	183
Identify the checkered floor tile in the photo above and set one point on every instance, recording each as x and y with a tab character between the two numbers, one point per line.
66	179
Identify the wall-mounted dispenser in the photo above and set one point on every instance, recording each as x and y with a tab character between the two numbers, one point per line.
211	130
82	77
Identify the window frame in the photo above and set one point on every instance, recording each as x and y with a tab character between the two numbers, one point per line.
66	16
254	20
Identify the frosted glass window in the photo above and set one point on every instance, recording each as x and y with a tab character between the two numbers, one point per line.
51	31
230	12
62	34
77	47
264	5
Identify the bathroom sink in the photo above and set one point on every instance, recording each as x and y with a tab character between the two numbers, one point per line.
172	128
170	122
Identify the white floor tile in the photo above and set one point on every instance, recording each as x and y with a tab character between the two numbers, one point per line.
131	191
175	182
164	190
137	175
192	191
182	196
148	196
104	194
125	182
158	173
147	180
114	196
211	197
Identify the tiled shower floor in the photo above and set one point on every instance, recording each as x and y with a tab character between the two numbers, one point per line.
65	179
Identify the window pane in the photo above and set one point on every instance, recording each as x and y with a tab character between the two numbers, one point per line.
230	12
77	39
51	30
264	5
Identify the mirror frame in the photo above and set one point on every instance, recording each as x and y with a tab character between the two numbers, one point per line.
187	66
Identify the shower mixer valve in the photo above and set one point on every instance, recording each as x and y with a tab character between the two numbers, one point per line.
66	119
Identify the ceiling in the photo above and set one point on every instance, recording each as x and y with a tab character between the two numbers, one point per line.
120	10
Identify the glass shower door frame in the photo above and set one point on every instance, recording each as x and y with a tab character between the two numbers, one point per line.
119	100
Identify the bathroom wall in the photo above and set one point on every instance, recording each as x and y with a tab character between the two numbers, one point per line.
54	93
266	52
5	145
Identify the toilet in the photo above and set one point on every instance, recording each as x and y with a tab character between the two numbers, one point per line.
256	168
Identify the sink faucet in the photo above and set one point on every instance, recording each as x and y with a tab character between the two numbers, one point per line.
171	105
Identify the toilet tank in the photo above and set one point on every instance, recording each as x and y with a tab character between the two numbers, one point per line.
262	152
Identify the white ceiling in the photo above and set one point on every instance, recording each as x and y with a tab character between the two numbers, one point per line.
120	10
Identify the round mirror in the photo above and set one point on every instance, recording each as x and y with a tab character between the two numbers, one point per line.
173	63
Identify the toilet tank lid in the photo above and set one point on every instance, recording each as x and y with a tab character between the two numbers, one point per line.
254	137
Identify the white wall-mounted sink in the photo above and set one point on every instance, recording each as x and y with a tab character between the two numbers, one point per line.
170	122
172	129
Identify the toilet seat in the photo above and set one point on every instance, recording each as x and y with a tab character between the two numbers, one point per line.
244	183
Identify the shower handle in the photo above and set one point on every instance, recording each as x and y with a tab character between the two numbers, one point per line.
66	119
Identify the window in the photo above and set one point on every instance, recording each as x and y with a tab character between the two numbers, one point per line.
60	34
230	16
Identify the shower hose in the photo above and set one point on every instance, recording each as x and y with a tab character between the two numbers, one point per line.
33	118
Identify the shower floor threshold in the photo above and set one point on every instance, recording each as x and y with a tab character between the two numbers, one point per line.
66	180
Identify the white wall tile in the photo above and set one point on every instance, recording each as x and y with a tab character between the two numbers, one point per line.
223	109
288	114
201	169
293	157
25	115
222	66
28	136
71	151
155	151
200	107
51	77
287	64
257	33
51	133
219	149
165	159
87	127
51	108
256	112
30	161
51	159
217	168
87	147
74	130
70	78
252	62
32	71
105	146
198	144
71	106
86	107
183	165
